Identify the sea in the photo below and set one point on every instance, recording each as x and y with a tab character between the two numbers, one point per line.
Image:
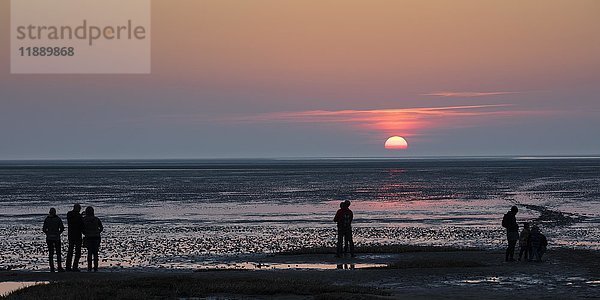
178	214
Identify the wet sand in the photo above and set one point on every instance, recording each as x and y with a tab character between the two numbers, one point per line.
188	214
565	274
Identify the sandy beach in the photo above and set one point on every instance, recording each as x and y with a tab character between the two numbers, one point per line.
471	274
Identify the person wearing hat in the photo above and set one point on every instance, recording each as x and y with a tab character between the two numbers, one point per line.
343	218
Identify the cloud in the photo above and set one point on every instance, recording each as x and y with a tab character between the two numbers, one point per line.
403	121
468	94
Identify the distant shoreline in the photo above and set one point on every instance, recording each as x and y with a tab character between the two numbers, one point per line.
301	159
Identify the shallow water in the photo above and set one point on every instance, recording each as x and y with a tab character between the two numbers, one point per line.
525	281
8	287
173	214
290	266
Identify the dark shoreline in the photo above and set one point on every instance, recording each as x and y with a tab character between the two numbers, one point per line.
566	273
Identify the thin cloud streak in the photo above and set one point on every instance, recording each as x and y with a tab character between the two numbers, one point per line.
468	94
405	121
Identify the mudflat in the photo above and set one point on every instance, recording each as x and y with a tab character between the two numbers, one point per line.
466	274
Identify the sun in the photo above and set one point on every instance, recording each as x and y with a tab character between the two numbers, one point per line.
396	143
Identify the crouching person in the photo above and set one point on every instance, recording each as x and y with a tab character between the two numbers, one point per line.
538	243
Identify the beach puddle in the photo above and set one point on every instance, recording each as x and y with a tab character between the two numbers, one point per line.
525	281
514	281
486	280
11	286
288	266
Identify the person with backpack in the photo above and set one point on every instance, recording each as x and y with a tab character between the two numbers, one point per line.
512	232
92	227
53	228
343	218
538	243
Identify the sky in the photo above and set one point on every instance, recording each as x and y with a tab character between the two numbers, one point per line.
325	78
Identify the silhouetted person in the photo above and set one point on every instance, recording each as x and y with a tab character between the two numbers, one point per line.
345	240
53	227
512	232
524	243
538	243
92	227
346	243
75	227
343	218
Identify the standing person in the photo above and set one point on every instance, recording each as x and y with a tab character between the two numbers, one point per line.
92	227
512	232
75	226
346	244
538	243
524	244
343	218
53	228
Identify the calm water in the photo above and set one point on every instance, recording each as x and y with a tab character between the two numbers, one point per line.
176	214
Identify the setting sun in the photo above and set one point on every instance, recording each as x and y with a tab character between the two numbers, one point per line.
396	143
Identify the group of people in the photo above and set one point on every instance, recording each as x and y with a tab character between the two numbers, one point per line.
532	243
87	225
343	218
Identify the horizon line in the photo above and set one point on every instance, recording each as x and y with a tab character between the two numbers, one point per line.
433	157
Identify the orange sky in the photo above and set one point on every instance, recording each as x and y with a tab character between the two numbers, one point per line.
369	64
348	40
406	122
